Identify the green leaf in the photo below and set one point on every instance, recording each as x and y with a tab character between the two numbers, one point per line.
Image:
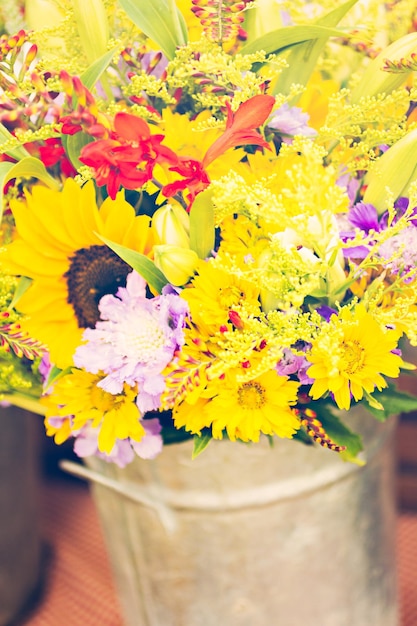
22	286
140	263
160	20
93	73
55	374
304	56
393	402
279	40
339	433
17	153
73	145
28	167
202	224
200	443
5	168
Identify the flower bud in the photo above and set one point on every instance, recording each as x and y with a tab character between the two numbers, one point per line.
376	80
171	225
176	263
93	27
392	173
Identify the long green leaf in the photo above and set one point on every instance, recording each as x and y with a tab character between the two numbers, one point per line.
73	145
5	168
339	433
155	18
17	153
200	443
283	38
28	167
22	286
394	402
93	73
202	225
140	263
303	58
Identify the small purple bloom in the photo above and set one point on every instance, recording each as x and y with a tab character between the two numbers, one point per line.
326	312
292	364
364	216
291	121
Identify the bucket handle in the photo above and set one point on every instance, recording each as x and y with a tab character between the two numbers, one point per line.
164	512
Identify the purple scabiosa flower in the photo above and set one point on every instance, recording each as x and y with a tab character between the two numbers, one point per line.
134	340
289	122
404	247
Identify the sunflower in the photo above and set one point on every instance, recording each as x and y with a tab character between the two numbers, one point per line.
243	409
351	356
77	394
57	246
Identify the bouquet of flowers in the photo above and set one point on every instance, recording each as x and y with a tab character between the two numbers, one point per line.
209	224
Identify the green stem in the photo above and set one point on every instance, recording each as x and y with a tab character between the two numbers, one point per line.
24	402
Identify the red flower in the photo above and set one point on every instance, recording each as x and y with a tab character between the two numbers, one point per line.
240	130
128	156
240	127
196	178
53	153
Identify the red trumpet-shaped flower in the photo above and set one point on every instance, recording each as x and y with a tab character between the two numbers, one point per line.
128	156
241	127
240	131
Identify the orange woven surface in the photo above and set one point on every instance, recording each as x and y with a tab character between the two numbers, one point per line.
78	589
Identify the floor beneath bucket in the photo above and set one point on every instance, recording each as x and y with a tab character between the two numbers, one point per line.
78	590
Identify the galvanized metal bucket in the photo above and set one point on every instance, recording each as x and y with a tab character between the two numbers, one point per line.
248	535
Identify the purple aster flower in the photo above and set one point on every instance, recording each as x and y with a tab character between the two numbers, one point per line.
124	450
298	365
291	121
134	340
400	206
364	216
326	312
151	443
352	186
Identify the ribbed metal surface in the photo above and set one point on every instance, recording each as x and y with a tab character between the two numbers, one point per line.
253	536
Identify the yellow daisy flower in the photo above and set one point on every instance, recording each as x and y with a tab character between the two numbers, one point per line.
244	409
78	395
351	355
57	247
214	293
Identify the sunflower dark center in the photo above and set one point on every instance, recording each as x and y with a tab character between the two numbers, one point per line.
93	273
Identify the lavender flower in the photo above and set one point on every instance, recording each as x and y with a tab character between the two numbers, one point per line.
124	450
291	363
405	246
291	121
134	341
